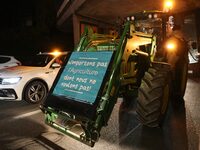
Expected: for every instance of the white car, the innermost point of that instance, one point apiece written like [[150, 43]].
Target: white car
[[8, 61], [33, 81]]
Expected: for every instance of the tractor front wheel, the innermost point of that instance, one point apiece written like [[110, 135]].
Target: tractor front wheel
[[154, 95]]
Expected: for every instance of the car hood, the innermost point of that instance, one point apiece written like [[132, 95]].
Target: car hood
[[18, 70]]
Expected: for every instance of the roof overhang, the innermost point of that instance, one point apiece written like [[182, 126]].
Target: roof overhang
[[111, 10]]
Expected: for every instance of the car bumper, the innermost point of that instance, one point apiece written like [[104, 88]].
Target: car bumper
[[10, 92]]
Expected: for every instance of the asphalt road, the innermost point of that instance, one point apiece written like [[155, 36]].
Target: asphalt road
[[22, 128]]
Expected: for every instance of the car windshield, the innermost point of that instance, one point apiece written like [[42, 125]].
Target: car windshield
[[39, 60]]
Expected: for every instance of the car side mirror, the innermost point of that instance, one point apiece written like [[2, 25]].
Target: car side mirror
[[55, 65]]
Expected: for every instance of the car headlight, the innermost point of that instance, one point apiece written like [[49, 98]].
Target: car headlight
[[9, 81]]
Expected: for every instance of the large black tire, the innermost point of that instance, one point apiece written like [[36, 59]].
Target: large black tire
[[35, 92], [154, 95]]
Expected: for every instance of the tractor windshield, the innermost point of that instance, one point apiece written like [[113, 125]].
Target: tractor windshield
[[149, 26], [101, 43], [151, 22]]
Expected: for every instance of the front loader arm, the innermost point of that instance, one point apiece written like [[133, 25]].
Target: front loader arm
[[110, 97]]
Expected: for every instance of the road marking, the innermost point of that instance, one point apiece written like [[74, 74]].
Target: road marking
[[27, 114], [129, 133]]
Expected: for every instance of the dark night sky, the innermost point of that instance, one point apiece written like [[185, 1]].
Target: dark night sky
[[28, 26], [11, 11]]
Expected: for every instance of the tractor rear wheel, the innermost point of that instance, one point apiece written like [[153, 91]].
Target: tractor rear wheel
[[154, 95]]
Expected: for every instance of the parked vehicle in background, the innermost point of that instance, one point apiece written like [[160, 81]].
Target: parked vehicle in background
[[8, 61], [32, 80]]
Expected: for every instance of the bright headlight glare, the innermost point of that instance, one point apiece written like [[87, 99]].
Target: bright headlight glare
[[171, 46], [155, 15], [9, 81], [55, 53], [150, 16], [132, 18]]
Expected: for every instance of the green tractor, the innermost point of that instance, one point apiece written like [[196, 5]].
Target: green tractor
[[105, 67]]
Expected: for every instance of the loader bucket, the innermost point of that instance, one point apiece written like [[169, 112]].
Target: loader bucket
[[75, 101]]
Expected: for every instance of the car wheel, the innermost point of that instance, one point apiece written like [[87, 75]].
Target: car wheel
[[35, 92]]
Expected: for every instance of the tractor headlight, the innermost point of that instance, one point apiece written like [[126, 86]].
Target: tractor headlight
[[150, 16], [130, 18], [171, 46], [9, 81]]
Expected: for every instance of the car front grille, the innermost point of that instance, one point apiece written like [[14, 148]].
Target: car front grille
[[1, 80]]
